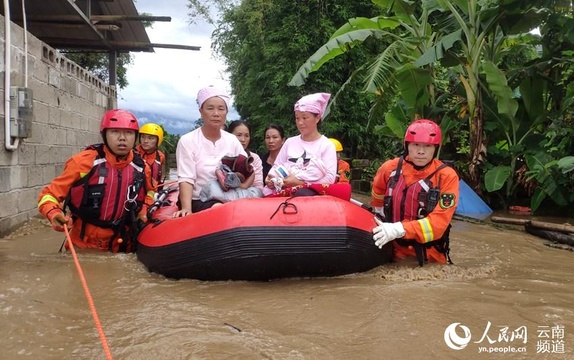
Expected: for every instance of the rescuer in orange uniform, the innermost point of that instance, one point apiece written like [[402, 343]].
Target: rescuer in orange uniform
[[151, 137], [106, 186], [416, 195], [343, 168]]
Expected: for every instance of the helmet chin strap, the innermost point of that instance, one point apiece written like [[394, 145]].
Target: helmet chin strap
[[106, 140]]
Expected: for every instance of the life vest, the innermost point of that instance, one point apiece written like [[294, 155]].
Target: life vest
[[156, 172], [412, 202], [108, 197], [343, 171]]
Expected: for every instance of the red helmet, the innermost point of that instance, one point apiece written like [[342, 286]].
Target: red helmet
[[119, 119], [423, 131]]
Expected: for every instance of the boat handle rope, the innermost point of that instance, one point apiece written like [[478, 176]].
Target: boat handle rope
[[88, 296], [287, 207], [160, 200]]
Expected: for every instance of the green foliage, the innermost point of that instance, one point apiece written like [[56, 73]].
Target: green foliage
[[169, 142], [550, 170], [546, 173], [503, 96], [541, 132], [495, 178], [262, 42], [498, 84], [355, 31], [207, 10], [369, 172], [566, 164]]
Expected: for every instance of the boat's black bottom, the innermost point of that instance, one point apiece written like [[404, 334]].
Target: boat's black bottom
[[266, 253]]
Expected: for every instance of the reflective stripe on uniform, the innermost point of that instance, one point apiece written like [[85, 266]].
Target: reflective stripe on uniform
[[138, 168], [48, 198], [426, 229], [98, 161], [377, 196]]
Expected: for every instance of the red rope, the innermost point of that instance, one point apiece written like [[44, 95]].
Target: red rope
[[89, 296]]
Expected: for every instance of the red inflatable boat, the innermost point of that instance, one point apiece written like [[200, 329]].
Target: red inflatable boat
[[261, 239]]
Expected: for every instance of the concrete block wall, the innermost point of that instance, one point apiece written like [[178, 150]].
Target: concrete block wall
[[68, 102]]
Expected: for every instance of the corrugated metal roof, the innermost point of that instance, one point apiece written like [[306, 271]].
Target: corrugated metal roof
[[94, 25]]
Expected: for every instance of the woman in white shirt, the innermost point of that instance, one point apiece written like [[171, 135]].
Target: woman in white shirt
[[200, 151]]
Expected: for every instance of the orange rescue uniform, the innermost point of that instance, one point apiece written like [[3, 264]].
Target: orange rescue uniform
[[343, 171], [79, 165], [155, 164], [422, 229]]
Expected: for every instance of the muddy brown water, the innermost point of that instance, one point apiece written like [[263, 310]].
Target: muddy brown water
[[508, 296]]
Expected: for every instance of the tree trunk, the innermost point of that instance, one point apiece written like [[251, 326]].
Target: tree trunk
[[477, 149], [563, 228]]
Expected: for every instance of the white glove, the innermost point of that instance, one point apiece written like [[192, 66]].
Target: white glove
[[386, 232]]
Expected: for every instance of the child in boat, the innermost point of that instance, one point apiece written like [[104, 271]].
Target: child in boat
[[238, 177], [416, 196], [308, 158]]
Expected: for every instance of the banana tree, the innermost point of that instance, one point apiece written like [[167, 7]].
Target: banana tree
[[464, 35], [540, 132], [475, 26], [555, 176], [392, 71], [520, 130]]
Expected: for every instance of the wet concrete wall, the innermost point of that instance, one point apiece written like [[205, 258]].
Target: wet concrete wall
[[68, 102]]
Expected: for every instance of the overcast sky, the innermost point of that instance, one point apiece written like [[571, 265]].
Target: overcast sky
[[167, 81]]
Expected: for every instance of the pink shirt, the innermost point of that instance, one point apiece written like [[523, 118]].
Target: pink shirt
[[258, 170], [197, 157], [320, 159]]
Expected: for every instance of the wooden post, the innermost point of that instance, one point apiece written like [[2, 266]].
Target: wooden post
[[563, 228]]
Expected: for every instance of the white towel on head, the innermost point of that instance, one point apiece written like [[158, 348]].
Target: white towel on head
[[212, 91]]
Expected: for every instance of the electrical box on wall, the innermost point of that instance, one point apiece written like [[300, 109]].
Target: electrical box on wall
[[20, 112]]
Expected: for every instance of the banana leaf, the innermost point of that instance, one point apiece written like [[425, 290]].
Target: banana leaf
[[495, 178]]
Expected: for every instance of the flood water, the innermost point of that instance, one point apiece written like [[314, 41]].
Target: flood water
[[507, 289]]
